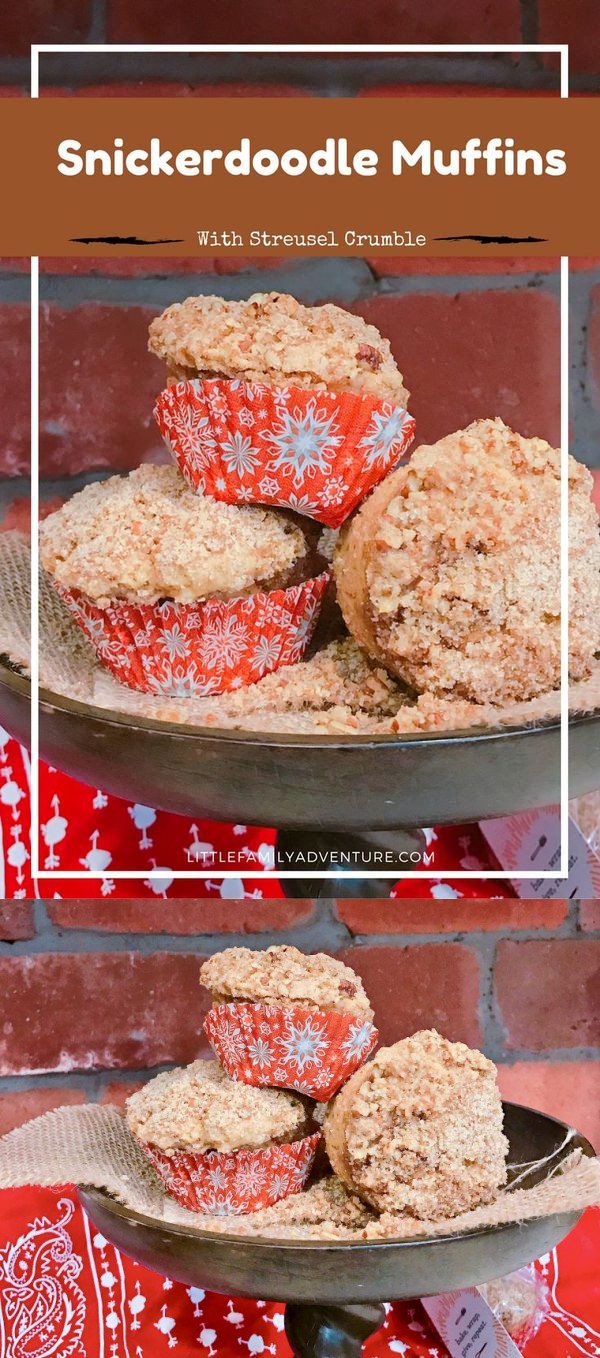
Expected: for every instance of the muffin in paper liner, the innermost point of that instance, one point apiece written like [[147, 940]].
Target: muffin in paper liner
[[310, 1050], [184, 650], [317, 452], [235, 1182]]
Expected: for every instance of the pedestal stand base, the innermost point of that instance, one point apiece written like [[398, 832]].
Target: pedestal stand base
[[331, 1331], [371, 851]]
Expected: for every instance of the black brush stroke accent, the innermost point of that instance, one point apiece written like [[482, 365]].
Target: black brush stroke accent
[[123, 240], [499, 240]]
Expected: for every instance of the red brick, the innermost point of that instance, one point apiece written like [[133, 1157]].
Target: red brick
[[393, 266], [269, 22], [165, 89], [132, 266], [17, 514], [569, 1090], [99, 1011], [117, 1093], [578, 26], [449, 917], [475, 354], [181, 917], [42, 21], [589, 915], [442, 90], [594, 345], [14, 365], [547, 993], [97, 388], [16, 921], [23, 1105], [435, 985]]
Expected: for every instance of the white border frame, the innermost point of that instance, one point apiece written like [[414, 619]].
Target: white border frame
[[202, 875]]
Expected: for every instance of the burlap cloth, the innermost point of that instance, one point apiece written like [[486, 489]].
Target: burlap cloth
[[320, 696], [91, 1146]]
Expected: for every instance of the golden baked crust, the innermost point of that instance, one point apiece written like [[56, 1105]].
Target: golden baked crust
[[283, 975], [146, 536], [418, 1130], [198, 1108], [450, 572], [272, 338]]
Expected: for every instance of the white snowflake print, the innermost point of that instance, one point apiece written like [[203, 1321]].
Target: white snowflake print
[[303, 1044], [238, 454], [279, 1186], [196, 442], [304, 442], [300, 503], [297, 644], [224, 642], [246, 417], [266, 654], [334, 491], [176, 682], [231, 1043], [359, 1039], [260, 1053], [174, 642], [250, 1178], [217, 1178], [221, 1205], [268, 486], [386, 435]]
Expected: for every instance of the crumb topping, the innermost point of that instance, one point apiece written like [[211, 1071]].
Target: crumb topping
[[146, 536], [272, 338], [418, 1130], [284, 975], [450, 574], [199, 1108]]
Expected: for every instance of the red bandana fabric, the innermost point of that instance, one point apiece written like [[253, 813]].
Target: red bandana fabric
[[85, 829], [66, 1292]]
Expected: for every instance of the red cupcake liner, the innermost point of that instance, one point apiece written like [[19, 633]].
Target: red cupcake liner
[[309, 1050], [187, 650], [317, 452], [237, 1182]]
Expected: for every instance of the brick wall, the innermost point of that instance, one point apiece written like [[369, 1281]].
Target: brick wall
[[95, 995], [267, 21], [481, 341]]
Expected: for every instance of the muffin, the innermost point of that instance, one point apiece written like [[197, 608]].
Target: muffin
[[281, 1018], [324, 1211], [178, 594], [449, 575], [278, 403], [418, 1131], [221, 1147]]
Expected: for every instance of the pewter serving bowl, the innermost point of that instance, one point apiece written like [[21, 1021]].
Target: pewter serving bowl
[[333, 1291]]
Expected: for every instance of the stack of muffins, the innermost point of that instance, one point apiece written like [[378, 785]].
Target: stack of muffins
[[201, 577], [415, 1133]]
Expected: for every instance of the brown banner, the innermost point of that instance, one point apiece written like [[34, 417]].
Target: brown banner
[[443, 198]]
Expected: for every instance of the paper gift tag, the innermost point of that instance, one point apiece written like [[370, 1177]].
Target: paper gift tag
[[530, 842], [468, 1325]]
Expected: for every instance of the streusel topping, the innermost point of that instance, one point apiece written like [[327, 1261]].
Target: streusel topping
[[146, 536], [199, 1108], [418, 1130], [272, 338], [284, 975], [450, 572]]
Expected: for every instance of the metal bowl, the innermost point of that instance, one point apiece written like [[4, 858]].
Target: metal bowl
[[326, 783], [333, 1290]]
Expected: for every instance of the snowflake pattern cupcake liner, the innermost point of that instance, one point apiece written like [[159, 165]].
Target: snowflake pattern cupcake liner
[[309, 1050], [316, 452], [185, 650], [237, 1182]]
